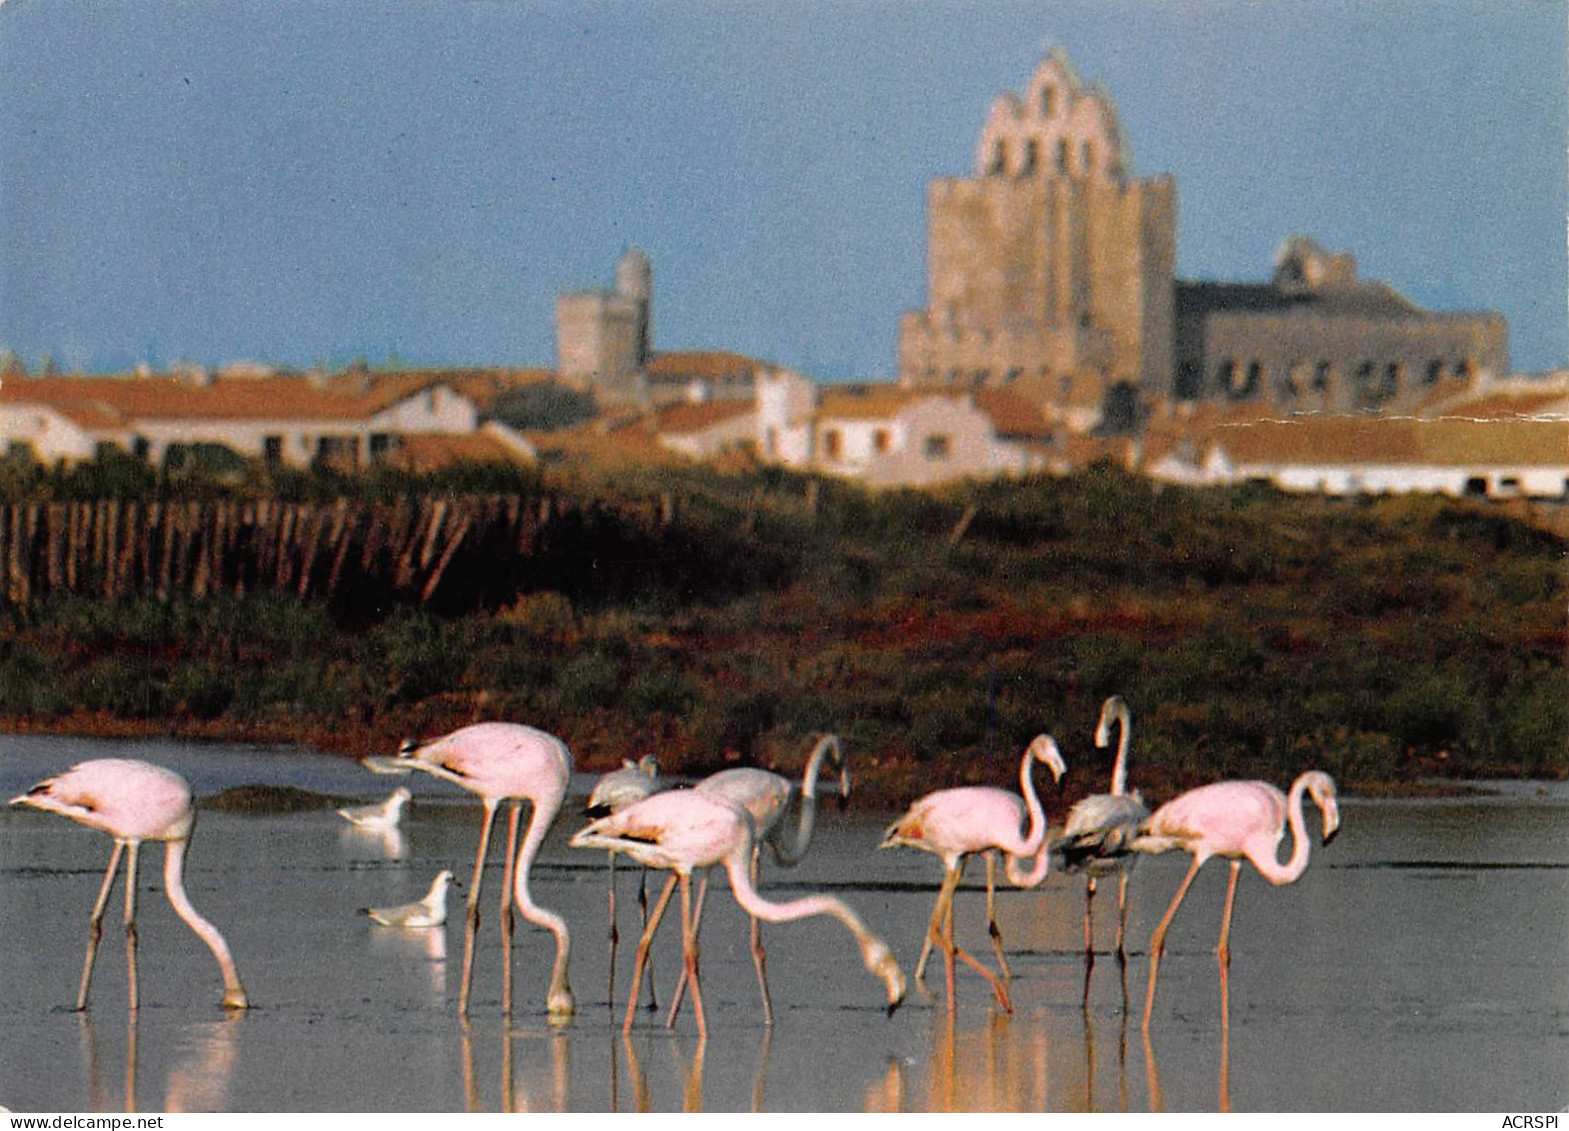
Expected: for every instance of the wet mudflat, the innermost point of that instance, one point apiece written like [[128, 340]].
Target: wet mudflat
[[1422, 963]]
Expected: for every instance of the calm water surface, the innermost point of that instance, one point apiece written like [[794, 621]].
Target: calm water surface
[[1422, 963]]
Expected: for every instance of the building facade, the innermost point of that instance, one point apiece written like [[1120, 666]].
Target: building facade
[[1050, 270], [1318, 337], [277, 421]]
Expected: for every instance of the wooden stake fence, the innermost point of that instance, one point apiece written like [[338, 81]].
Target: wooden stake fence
[[115, 548]]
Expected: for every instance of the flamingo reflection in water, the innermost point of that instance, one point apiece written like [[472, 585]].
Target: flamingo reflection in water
[[1237, 820], [688, 829], [1122, 1054], [199, 1081], [514, 1092], [987, 1069], [1157, 1096]]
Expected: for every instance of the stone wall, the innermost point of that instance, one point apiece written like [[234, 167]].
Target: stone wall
[[1048, 268]]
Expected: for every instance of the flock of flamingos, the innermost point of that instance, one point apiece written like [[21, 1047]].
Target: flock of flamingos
[[724, 821]]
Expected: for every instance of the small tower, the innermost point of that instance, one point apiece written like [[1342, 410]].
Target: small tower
[[604, 338], [635, 282]]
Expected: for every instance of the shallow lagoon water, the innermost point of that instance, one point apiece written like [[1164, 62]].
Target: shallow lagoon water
[[1422, 963]]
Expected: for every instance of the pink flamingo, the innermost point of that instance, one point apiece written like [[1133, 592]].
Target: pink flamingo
[[1100, 828], [955, 823], [1234, 819], [134, 801], [684, 830], [766, 797], [503, 762]]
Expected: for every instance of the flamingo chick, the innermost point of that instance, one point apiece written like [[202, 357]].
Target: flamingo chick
[[611, 793], [428, 912], [683, 830], [503, 762], [1236, 820], [766, 796], [380, 817], [134, 801], [955, 823], [1101, 827]]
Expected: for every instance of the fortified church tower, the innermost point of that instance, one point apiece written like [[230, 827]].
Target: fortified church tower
[[1050, 270]]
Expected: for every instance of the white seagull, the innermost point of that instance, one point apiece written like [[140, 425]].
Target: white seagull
[[380, 817], [428, 912]]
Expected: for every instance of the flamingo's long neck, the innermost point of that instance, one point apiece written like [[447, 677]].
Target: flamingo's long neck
[[1119, 772], [559, 1001], [791, 855], [758, 907], [1291, 871], [174, 885], [1035, 841], [875, 955]]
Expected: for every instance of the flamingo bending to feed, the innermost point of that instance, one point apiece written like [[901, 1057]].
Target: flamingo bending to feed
[[380, 817], [684, 830], [134, 801], [431, 911], [611, 793], [955, 823], [1101, 828], [766, 796], [503, 762], [1234, 819]]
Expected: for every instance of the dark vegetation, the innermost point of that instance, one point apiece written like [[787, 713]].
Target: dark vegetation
[[1253, 634]]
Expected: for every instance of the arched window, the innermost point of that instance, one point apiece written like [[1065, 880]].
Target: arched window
[[1048, 101], [1032, 150], [1087, 157], [999, 158], [1062, 156], [1226, 375], [1255, 379]]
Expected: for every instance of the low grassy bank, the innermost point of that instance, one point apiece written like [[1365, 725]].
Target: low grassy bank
[[1253, 634]]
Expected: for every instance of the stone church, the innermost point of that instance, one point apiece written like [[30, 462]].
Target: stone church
[[1051, 270]]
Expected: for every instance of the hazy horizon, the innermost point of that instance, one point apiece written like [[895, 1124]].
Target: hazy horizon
[[314, 182]]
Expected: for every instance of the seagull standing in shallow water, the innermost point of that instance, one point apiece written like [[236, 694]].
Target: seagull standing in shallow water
[[380, 817], [428, 912]]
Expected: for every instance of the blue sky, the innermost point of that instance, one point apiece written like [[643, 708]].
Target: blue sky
[[316, 181]]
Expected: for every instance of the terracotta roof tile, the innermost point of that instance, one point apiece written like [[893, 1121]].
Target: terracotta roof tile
[[709, 365], [1012, 414], [686, 418], [250, 398], [1341, 440], [429, 451]]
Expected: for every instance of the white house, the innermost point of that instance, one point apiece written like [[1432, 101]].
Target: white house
[[918, 439], [881, 435], [1509, 457], [280, 420]]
